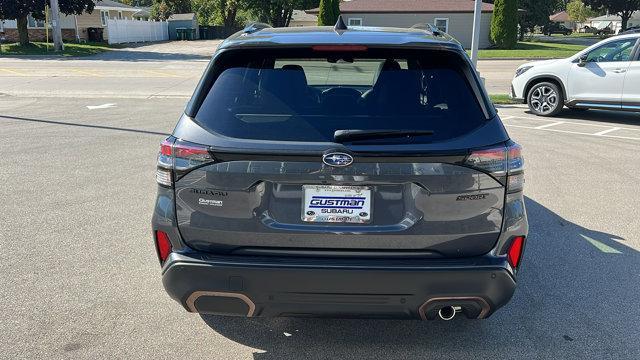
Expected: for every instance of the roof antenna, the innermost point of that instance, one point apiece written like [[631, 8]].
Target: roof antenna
[[340, 25]]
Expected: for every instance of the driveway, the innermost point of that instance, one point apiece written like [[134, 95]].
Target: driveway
[[162, 51]]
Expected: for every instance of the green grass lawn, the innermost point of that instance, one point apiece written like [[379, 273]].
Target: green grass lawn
[[532, 50], [39, 48], [502, 99]]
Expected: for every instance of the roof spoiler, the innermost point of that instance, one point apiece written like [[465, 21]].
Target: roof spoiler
[[255, 26]]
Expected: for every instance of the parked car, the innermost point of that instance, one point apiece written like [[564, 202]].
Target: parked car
[[556, 28], [603, 76], [603, 31], [340, 172]]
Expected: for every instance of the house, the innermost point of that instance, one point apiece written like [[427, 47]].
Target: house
[[301, 18], [562, 18], [613, 22], [74, 26], [184, 21], [452, 16], [143, 14]]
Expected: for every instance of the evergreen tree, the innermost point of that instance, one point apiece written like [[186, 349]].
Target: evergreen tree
[[504, 24]]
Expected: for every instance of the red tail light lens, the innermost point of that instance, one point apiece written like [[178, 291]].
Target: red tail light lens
[[176, 157], [501, 161], [515, 251], [188, 155], [163, 245]]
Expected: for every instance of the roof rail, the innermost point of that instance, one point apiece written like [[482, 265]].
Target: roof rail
[[255, 26]]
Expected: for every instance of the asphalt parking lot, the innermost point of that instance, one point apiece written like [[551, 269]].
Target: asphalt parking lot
[[81, 279]]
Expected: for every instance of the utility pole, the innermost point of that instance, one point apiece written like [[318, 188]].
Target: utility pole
[[475, 39], [55, 22]]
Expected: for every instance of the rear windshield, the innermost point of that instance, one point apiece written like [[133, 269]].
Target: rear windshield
[[308, 96]]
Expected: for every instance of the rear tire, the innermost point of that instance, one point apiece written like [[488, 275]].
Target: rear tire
[[545, 99]]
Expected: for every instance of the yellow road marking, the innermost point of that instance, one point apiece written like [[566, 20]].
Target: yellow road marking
[[14, 72], [163, 74], [84, 72]]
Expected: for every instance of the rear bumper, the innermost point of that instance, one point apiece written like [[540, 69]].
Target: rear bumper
[[337, 288]]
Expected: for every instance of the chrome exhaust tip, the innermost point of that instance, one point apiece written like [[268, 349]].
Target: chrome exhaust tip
[[448, 312]]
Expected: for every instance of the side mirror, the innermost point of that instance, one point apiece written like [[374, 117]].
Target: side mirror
[[582, 60]]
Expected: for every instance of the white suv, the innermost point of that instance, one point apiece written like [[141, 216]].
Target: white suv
[[603, 76]]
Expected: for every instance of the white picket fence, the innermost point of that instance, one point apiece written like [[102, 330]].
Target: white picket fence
[[127, 31]]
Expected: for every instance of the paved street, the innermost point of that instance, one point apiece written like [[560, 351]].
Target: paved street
[[78, 145], [151, 71]]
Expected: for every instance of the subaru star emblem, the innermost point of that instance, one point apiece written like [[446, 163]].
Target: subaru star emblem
[[337, 159]]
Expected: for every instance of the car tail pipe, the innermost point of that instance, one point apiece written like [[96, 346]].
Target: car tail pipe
[[449, 312], [446, 308]]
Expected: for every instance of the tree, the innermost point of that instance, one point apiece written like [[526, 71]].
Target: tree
[[579, 12], [278, 12], [622, 8], [162, 9], [206, 11], [535, 13], [504, 24], [329, 12], [21, 9]]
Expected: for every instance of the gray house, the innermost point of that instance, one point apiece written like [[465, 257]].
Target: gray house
[[184, 21], [452, 16]]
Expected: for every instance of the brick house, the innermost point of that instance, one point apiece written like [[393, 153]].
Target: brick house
[[74, 26]]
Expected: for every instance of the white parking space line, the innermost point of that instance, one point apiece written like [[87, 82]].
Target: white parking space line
[[575, 123], [549, 125], [574, 132], [606, 131]]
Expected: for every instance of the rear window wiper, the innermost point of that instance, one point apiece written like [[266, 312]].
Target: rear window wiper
[[354, 135]]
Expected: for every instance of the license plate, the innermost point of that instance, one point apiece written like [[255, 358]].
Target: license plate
[[336, 204]]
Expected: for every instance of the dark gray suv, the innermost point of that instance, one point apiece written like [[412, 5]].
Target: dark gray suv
[[340, 172]]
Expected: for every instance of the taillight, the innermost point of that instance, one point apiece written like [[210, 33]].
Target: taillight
[[501, 161], [176, 157], [515, 251], [163, 245]]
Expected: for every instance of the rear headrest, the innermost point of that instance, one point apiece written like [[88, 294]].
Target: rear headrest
[[288, 86], [295, 67], [399, 89], [387, 65]]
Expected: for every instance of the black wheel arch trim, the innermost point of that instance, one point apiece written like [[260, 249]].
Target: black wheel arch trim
[[537, 78]]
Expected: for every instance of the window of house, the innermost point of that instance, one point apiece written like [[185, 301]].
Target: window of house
[[355, 22], [442, 24], [120, 15], [104, 16]]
